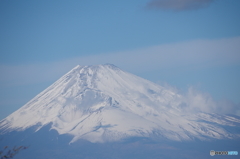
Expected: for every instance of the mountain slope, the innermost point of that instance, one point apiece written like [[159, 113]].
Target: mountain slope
[[103, 103]]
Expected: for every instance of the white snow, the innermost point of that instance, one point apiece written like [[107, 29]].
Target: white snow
[[103, 103]]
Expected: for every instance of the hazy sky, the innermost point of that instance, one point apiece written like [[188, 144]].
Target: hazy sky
[[187, 43]]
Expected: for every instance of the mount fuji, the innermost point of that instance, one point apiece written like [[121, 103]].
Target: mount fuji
[[104, 104]]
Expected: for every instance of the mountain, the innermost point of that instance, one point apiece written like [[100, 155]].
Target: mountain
[[103, 104]]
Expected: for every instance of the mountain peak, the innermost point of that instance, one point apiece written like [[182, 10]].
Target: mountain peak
[[100, 65], [94, 68], [110, 66]]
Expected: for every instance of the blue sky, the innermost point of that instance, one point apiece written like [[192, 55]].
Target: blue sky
[[188, 43]]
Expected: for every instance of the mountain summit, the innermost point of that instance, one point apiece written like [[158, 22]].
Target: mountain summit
[[102, 103]]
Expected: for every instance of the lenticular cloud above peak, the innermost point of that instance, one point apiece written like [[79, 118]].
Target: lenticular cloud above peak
[[103, 103]]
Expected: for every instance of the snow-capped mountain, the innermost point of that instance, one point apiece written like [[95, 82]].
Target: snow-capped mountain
[[103, 103]]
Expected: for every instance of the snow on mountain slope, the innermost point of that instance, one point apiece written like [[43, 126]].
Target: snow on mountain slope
[[103, 103]]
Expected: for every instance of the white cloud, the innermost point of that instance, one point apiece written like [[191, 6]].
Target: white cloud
[[195, 101]]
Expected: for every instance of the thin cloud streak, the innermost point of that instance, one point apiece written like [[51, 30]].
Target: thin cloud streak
[[194, 55], [178, 5]]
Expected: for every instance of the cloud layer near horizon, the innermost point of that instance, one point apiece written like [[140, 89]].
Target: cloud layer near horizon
[[178, 5]]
